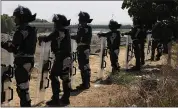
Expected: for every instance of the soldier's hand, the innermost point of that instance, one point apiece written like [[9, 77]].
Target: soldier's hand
[[2, 44], [5, 45], [99, 35], [40, 39], [122, 34]]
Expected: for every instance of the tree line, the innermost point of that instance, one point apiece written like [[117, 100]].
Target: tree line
[[8, 24], [146, 10]]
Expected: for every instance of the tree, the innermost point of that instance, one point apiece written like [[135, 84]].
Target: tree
[[145, 9], [7, 24]]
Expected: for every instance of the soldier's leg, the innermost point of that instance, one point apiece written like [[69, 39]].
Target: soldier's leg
[[159, 50], [55, 84], [86, 68], [22, 74], [66, 84], [114, 60], [65, 76], [165, 47], [142, 53], [137, 55], [154, 45], [81, 64]]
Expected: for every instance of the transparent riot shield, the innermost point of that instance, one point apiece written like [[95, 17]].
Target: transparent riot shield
[[129, 51], [7, 72], [74, 62], [103, 54], [44, 68], [149, 46]]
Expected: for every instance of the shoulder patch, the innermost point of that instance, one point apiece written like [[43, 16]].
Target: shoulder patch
[[86, 30], [61, 35], [24, 33]]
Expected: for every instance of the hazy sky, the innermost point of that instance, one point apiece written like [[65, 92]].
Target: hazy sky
[[100, 11]]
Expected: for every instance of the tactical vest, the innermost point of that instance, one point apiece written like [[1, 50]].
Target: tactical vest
[[113, 40], [84, 35], [28, 45], [61, 42]]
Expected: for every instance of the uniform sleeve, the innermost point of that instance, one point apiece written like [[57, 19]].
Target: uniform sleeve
[[74, 37], [104, 34], [13, 46], [128, 33], [50, 37]]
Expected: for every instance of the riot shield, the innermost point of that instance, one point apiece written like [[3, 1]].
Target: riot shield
[[102, 54], [129, 51], [7, 72], [149, 46], [44, 68], [74, 62]]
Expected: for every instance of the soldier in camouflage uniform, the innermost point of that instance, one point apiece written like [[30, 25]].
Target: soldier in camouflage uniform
[[138, 35], [61, 47], [113, 41], [83, 39], [23, 47]]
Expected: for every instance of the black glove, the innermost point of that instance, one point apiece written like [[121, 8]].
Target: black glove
[[40, 39], [122, 34], [3, 44], [99, 35]]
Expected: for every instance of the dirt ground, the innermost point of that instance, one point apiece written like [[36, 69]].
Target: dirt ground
[[97, 96]]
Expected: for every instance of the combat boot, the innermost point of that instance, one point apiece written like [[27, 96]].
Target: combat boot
[[83, 87], [64, 101], [53, 102], [135, 68]]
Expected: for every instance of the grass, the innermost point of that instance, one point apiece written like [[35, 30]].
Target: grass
[[123, 78], [149, 90]]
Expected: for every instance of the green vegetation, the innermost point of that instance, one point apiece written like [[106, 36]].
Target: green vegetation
[[8, 24]]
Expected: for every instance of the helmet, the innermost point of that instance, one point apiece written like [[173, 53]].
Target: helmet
[[114, 25], [24, 14], [60, 20], [84, 17]]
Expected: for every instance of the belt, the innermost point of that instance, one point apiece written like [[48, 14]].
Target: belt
[[79, 44], [23, 55]]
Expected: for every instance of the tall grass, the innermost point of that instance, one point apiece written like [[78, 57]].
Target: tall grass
[[152, 90]]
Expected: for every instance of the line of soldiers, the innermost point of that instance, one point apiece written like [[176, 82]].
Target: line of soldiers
[[23, 47], [163, 32]]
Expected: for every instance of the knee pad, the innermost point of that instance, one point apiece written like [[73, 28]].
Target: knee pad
[[65, 78], [53, 77], [116, 52], [23, 93], [67, 63], [22, 74], [86, 67], [87, 53]]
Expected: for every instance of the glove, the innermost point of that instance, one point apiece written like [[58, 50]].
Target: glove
[[99, 35], [40, 39], [122, 34], [3, 44]]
